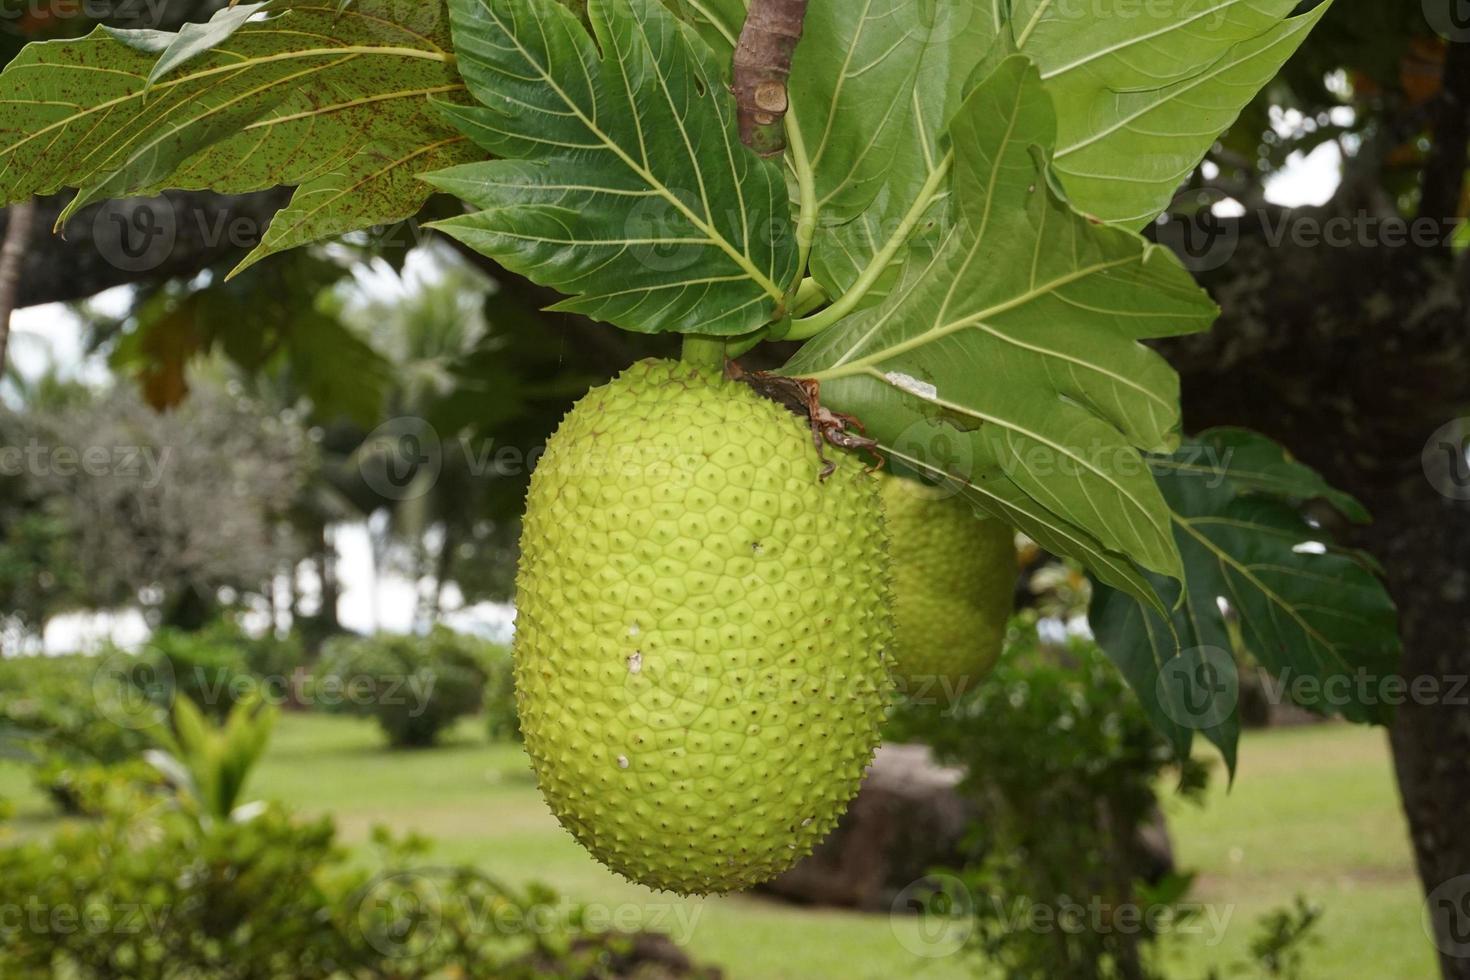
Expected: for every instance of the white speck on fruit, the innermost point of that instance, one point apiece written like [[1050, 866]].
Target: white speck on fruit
[[635, 663], [634, 630], [622, 762], [912, 385], [807, 822]]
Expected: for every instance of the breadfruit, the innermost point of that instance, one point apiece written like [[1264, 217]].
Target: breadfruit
[[954, 579], [701, 630]]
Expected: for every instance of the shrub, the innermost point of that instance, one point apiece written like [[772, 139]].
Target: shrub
[[207, 888], [272, 661], [75, 719], [501, 720], [415, 686], [1062, 764], [209, 668]]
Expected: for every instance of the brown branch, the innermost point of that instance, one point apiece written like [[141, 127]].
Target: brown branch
[[119, 243], [17, 239], [1443, 179], [762, 68]]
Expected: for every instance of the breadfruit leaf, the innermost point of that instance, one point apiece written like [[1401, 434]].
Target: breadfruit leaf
[[1262, 580], [1143, 91], [1018, 345], [333, 101], [623, 180]]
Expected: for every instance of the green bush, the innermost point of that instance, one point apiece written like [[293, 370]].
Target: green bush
[[1062, 767], [76, 718], [272, 661], [208, 667], [206, 887], [501, 720], [415, 686]]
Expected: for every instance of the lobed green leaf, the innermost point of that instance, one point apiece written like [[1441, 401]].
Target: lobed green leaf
[[334, 101], [1261, 579], [1143, 90], [623, 180], [1018, 345]]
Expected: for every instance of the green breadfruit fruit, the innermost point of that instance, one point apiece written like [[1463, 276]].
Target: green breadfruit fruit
[[954, 579], [701, 630]]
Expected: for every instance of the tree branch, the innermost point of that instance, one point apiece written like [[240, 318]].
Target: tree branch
[[762, 68], [1443, 180], [17, 239], [116, 243]]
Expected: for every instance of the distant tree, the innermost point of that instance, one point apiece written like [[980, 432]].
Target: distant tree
[[165, 510]]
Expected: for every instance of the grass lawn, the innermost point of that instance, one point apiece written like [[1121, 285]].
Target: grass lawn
[[1313, 812]]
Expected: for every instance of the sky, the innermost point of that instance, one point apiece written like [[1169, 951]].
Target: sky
[[44, 335]]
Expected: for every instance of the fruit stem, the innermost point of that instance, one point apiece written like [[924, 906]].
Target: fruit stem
[[705, 353]]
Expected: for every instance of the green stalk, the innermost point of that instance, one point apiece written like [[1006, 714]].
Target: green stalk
[[806, 182], [704, 353], [849, 301], [809, 296]]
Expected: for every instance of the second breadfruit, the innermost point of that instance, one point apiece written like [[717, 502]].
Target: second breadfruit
[[954, 577]]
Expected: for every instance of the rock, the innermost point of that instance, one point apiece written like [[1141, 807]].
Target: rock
[[907, 819]]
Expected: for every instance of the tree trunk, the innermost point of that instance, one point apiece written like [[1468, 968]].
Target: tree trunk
[[326, 565], [1354, 357], [443, 568]]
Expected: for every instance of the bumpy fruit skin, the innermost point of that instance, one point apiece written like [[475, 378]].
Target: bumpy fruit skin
[[701, 632], [954, 579]]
